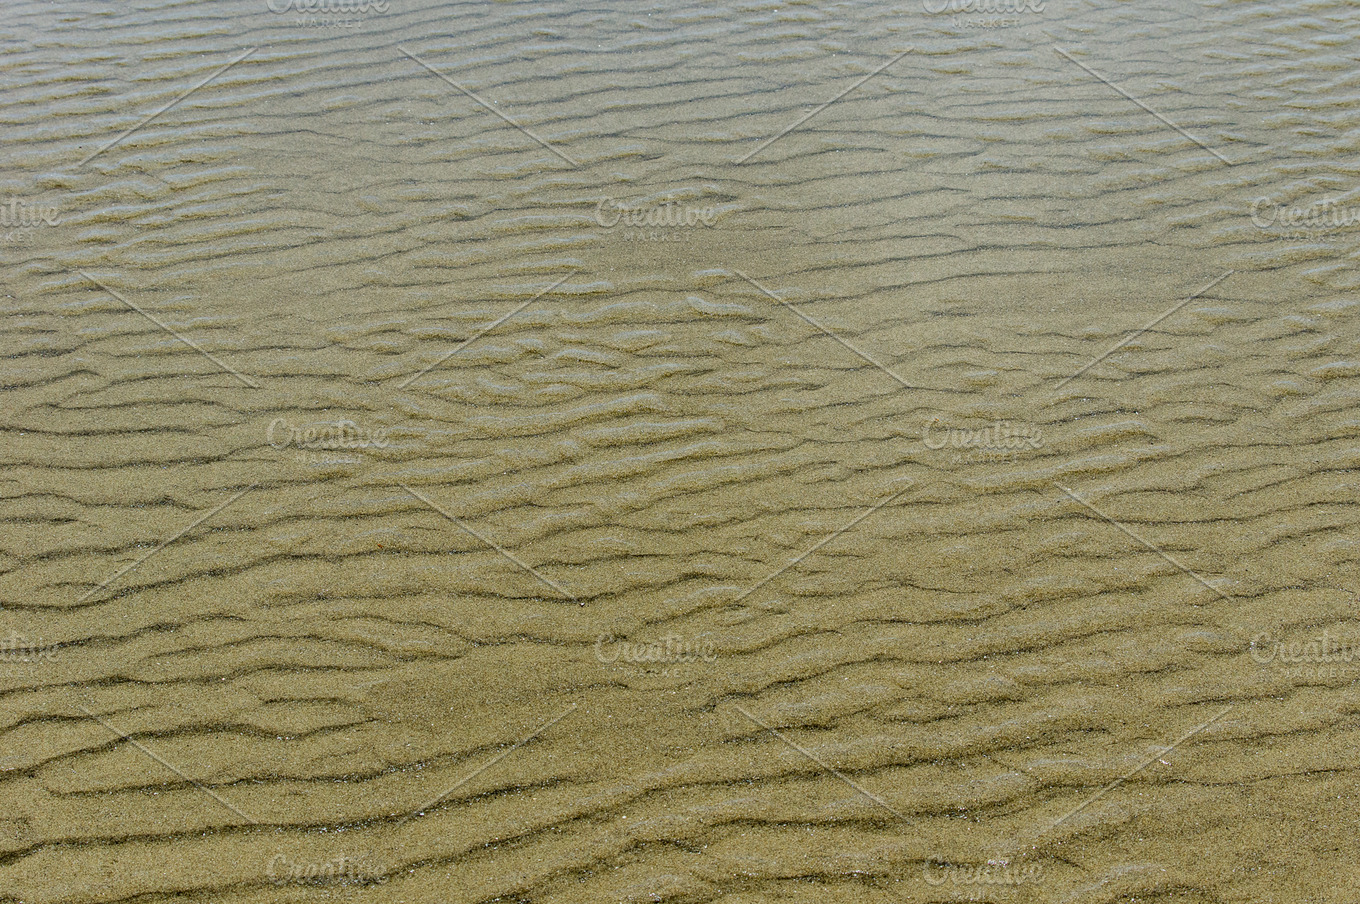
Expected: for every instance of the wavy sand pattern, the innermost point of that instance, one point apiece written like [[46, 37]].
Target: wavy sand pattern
[[793, 549]]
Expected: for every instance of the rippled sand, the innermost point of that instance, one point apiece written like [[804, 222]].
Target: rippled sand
[[952, 498]]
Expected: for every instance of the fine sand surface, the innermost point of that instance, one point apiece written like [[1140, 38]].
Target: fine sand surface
[[950, 499]]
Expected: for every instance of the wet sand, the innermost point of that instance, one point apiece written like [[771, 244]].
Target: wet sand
[[747, 451]]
